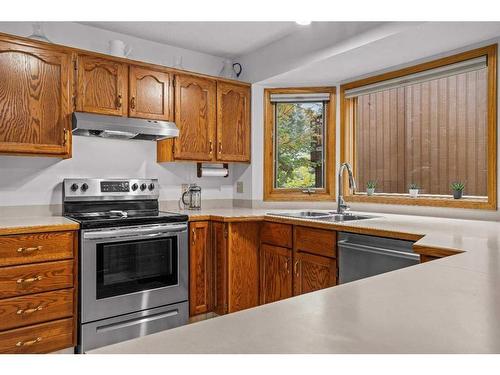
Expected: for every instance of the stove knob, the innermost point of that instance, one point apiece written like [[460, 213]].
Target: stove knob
[[151, 186], [74, 187], [134, 187], [84, 187], [143, 186]]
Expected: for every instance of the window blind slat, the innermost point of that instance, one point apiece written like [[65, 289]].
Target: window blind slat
[[427, 75], [296, 98]]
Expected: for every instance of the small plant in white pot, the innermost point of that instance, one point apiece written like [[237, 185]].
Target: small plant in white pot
[[458, 189], [413, 190], [370, 187]]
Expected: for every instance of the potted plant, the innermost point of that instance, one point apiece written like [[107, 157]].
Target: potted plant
[[458, 189], [413, 190], [370, 187]]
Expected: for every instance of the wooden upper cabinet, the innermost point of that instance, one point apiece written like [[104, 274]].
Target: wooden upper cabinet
[[149, 94], [313, 272], [102, 86], [195, 117], [275, 273], [233, 122], [35, 99]]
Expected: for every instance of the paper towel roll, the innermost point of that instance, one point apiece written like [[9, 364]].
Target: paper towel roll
[[214, 172]]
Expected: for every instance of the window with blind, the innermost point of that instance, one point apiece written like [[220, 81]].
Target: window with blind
[[298, 146], [429, 128]]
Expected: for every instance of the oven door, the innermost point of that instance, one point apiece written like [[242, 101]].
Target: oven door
[[130, 269]]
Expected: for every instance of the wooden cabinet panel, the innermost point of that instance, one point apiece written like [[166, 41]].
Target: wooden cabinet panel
[[41, 338], [219, 242], [34, 278], [35, 99], [312, 272], [35, 247], [35, 308], [233, 122], [102, 86], [150, 95], [243, 265], [201, 268], [277, 234], [275, 273], [195, 117], [316, 241]]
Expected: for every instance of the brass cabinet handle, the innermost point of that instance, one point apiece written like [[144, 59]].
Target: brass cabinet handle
[[220, 147], [211, 146], [194, 235], [29, 280], [28, 343], [119, 101], [295, 268], [29, 311], [29, 249], [132, 102], [286, 266]]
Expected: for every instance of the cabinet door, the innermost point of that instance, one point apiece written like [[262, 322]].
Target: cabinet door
[[219, 241], [233, 122], [275, 273], [243, 265], [102, 86], [200, 268], [35, 100], [195, 117], [313, 272], [149, 96]]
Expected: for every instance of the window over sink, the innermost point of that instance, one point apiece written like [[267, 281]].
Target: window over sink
[[299, 143], [430, 127]]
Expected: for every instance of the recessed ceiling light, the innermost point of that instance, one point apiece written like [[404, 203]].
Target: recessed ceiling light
[[303, 23]]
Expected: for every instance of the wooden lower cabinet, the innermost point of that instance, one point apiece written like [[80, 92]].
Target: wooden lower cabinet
[[275, 273], [201, 268], [236, 248], [38, 283], [313, 272]]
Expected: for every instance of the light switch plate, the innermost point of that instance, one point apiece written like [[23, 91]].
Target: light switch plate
[[239, 187]]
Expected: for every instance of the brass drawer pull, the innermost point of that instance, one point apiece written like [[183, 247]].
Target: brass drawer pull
[[211, 147], [132, 102], [119, 101], [29, 280], [28, 343], [29, 311], [28, 250]]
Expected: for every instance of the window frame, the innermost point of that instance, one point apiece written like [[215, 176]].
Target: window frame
[[328, 192], [347, 135]]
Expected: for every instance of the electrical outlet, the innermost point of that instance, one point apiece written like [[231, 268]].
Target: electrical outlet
[[239, 187]]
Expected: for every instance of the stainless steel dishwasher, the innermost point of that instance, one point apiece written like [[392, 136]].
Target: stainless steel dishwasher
[[362, 256]]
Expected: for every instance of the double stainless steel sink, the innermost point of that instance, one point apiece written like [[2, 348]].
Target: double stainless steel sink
[[322, 215]]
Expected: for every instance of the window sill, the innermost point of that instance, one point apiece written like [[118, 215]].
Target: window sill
[[283, 196], [424, 200]]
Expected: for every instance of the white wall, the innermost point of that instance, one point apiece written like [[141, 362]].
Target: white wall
[[37, 180]]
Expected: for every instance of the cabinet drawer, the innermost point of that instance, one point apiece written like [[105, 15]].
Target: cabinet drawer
[[35, 278], [35, 247], [277, 234], [316, 241], [40, 338], [35, 308]]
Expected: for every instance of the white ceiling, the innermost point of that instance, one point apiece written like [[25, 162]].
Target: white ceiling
[[225, 39]]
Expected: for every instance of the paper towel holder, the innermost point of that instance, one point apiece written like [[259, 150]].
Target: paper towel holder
[[199, 166]]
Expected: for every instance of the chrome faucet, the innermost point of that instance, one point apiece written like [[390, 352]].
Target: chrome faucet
[[341, 205]]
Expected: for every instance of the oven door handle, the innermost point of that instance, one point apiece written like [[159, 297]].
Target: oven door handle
[[135, 232]]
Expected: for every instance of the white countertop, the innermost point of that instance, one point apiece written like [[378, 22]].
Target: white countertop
[[450, 305]]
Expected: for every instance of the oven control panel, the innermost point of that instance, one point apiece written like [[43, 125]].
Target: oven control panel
[[75, 189]]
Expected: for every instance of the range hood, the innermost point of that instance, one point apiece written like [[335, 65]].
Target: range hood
[[89, 124]]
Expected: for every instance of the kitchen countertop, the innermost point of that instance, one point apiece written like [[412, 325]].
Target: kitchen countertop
[[450, 305], [35, 224]]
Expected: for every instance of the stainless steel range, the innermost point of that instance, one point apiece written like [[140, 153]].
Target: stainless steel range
[[133, 260]]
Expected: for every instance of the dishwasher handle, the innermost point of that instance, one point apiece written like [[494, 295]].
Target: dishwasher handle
[[378, 250]]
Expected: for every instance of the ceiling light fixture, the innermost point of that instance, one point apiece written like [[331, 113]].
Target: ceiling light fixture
[[303, 23]]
